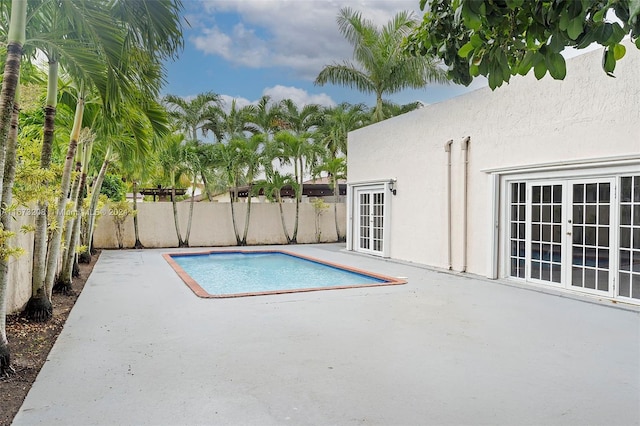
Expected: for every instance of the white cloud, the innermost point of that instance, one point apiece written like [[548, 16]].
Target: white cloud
[[228, 101], [299, 96], [277, 93], [298, 34]]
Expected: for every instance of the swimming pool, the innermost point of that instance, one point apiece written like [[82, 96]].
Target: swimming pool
[[217, 274]]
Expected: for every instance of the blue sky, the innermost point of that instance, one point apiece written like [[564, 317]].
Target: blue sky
[[244, 49]]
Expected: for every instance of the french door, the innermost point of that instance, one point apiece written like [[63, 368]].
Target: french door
[[591, 236], [370, 220], [561, 233]]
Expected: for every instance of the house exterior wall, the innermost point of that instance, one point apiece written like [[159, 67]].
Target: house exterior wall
[[212, 225], [528, 122]]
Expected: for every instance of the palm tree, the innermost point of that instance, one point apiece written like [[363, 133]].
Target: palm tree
[[272, 188], [336, 169], [392, 109], [299, 120], [251, 157], [190, 115], [226, 157], [228, 125], [73, 31], [380, 65], [301, 152], [11, 75], [266, 116], [8, 136], [173, 165], [337, 122]]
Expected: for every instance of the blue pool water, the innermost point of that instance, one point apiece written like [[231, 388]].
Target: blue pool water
[[232, 273]]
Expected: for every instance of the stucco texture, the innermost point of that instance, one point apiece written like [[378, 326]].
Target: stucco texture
[[527, 122]]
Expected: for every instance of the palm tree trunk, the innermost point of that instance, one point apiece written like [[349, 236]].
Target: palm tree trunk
[[233, 219], [378, 114], [39, 307], [175, 215], [77, 228], [299, 178], [336, 193], [136, 230], [11, 75], [206, 186], [8, 178], [193, 190], [284, 226], [55, 246], [93, 206], [247, 217], [64, 280]]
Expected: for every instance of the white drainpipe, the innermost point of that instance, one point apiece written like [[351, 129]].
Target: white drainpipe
[[447, 149], [465, 150]]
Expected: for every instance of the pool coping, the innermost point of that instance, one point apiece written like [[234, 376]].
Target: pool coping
[[201, 292]]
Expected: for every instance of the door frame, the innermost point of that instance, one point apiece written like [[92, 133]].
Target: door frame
[[353, 204], [500, 179]]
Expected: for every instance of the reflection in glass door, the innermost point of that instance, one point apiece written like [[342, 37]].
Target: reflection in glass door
[[591, 235]]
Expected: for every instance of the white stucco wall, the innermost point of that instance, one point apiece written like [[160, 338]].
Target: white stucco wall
[[19, 286], [212, 225], [528, 122]]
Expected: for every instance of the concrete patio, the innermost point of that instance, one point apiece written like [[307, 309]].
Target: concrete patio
[[139, 348]]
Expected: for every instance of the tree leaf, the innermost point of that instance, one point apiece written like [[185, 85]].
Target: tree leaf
[[599, 15], [540, 69], [563, 24], [608, 61], [556, 65], [575, 28], [618, 51], [470, 16], [465, 50], [634, 9], [526, 63], [476, 40]]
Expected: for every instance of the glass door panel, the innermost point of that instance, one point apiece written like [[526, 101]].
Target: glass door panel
[[364, 235], [629, 252], [371, 220], [378, 220], [590, 223], [546, 233]]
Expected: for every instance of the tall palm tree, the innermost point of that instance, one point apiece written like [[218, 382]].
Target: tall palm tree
[[72, 32], [299, 120], [8, 135], [299, 151], [227, 125], [336, 169], [380, 65], [11, 75], [194, 166], [190, 115], [337, 122], [226, 157], [266, 116], [251, 156], [272, 187], [173, 165]]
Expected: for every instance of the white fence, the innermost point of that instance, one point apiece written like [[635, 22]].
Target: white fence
[[212, 224]]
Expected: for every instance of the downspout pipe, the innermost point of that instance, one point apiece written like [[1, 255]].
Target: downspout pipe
[[447, 149], [465, 182]]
